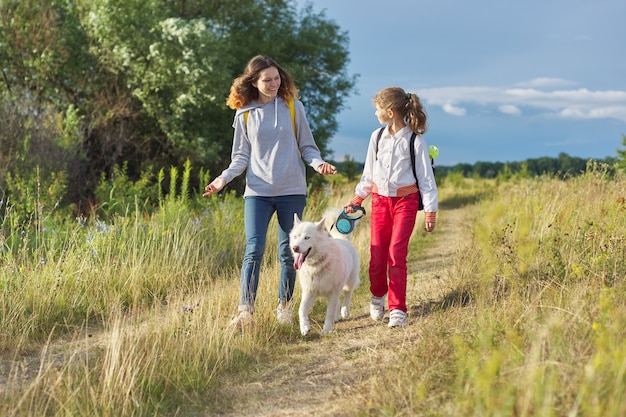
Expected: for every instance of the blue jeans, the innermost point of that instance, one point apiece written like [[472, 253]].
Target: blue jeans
[[257, 214]]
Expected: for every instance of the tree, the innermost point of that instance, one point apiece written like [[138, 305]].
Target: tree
[[149, 78], [350, 167]]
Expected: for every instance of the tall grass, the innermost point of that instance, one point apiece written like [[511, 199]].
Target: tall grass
[[126, 317], [91, 270], [543, 333]]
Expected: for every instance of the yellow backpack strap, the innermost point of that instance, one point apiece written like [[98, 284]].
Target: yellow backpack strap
[[292, 110]]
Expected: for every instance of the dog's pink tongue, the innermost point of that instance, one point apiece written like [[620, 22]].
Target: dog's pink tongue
[[298, 260]]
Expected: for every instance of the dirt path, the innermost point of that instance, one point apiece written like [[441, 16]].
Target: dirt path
[[321, 375]]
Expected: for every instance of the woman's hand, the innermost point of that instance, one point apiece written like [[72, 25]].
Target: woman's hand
[[215, 187], [327, 169]]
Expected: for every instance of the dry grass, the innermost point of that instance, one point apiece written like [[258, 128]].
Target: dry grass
[[516, 308]]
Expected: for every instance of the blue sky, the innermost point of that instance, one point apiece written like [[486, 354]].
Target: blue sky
[[501, 80]]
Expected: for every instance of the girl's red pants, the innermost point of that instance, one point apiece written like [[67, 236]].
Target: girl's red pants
[[392, 222]]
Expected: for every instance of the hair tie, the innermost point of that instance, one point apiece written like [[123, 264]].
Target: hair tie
[[408, 96]]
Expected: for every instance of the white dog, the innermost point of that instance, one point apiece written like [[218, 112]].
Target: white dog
[[326, 268]]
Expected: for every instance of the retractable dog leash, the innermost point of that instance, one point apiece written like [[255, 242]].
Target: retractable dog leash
[[345, 221]]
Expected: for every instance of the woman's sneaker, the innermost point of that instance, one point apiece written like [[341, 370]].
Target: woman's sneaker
[[397, 318], [284, 314], [377, 307]]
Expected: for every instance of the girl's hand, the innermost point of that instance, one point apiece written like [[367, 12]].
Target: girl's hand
[[355, 201], [327, 169], [215, 187], [348, 208], [429, 220]]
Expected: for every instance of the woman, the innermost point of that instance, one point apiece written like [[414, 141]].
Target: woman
[[269, 144]]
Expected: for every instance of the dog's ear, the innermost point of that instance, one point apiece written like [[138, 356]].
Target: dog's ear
[[296, 219], [320, 225]]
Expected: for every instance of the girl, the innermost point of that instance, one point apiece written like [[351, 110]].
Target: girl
[[267, 145], [396, 191]]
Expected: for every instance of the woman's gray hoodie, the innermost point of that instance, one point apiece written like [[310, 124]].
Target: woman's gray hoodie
[[269, 152]]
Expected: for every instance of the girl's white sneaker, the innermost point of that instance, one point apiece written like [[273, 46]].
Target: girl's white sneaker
[[397, 318]]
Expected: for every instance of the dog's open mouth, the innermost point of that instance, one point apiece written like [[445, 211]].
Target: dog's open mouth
[[299, 258]]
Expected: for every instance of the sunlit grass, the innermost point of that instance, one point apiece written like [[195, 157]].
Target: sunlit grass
[[129, 316], [543, 334]]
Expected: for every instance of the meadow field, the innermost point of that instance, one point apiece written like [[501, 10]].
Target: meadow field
[[518, 308]]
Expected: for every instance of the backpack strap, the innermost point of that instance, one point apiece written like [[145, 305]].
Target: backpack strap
[[292, 110], [380, 133]]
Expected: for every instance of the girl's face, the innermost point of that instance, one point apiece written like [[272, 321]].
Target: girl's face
[[268, 84], [385, 116]]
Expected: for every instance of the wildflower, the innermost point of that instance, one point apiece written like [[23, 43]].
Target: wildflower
[[102, 226], [187, 309]]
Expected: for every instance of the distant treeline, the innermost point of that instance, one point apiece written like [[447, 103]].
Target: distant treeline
[[564, 165]]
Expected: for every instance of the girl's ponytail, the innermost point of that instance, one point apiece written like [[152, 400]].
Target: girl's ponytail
[[416, 115]]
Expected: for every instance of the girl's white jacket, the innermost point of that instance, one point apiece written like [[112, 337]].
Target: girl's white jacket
[[391, 169]]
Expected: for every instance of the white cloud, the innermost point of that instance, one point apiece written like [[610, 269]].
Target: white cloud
[[456, 111], [509, 109], [596, 113], [579, 103], [545, 82]]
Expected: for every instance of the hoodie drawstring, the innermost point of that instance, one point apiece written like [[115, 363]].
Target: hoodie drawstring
[[275, 113]]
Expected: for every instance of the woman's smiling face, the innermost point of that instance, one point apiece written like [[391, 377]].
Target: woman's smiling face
[[268, 84]]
